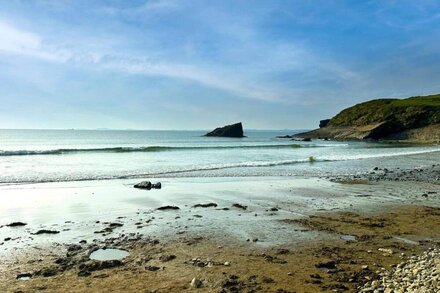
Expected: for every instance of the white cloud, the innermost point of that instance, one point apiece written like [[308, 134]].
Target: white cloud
[[192, 73], [246, 76], [20, 42]]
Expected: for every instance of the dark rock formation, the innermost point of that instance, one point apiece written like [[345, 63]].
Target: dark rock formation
[[166, 208], [239, 206], [143, 185], [323, 123], [205, 205], [382, 130], [44, 231], [233, 130], [148, 185], [16, 224]]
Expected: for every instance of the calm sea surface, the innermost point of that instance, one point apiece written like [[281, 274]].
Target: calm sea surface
[[70, 155]]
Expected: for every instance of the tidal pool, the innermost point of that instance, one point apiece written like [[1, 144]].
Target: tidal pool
[[108, 254]]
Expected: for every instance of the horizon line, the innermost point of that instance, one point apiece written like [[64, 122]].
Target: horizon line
[[134, 129]]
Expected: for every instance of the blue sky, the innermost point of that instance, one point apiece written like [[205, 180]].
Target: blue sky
[[167, 64]]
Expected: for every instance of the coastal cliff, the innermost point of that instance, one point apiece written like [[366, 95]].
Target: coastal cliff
[[415, 119]]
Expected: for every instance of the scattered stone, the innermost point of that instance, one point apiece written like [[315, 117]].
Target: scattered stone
[[196, 283], [165, 208], [167, 257], [101, 276], [326, 265], [143, 185], [283, 251], [417, 274], [47, 272], [152, 268], [45, 231], [24, 276], [267, 280], [386, 250], [74, 247], [205, 205], [84, 273], [429, 174], [239, 206], [93, 265], [16, 224], [273, 259]]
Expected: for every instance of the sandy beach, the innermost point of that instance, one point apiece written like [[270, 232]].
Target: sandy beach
[[273, 234], [166, 146]]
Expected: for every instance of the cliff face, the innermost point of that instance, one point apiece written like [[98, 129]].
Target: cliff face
[[412, 119]]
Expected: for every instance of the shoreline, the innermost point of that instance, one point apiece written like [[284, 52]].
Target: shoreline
[[288, 227]]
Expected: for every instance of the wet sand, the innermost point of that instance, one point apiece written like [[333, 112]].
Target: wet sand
[[290, 237]]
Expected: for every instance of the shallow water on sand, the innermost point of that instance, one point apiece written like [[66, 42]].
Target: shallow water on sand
[[84, 210]]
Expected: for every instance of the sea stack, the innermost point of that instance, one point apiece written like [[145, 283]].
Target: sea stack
[[233, 130]]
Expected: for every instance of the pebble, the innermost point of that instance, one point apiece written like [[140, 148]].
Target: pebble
[[196, 283], [427, 174], [417, 274]]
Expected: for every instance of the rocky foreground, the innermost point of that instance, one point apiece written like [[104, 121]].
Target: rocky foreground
[[417, 274], [352, 254]]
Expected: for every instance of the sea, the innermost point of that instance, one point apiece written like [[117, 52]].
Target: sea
[[35, 156]]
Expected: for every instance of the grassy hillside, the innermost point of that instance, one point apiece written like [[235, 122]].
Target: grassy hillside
[[402, 113]]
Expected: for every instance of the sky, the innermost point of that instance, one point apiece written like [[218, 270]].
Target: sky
[[168, 64]]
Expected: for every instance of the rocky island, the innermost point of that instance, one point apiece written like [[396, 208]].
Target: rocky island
[[233, 130], [415, 119]]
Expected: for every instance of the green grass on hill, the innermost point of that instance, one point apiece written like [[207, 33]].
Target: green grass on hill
[[403, 113]]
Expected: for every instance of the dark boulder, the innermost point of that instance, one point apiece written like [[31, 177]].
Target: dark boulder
[[45, 231], [143, 185], [16, 224], [233, 130], [148, 185], [205, 205], [167, 208], [24, 276], [323, 123], [239, 206]]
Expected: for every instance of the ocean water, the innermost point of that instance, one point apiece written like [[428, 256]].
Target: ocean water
[[28, 156]]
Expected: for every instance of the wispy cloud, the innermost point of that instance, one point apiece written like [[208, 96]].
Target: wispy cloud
[[20, 42]]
